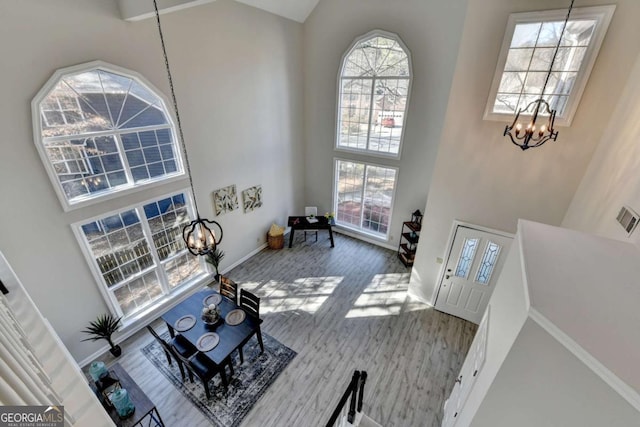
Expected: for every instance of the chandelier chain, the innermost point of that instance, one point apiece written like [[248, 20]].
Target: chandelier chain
[[175, 107], [555, 54]]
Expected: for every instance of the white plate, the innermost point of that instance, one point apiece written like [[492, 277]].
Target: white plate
[[235, 317], [208, 341], [214, 299], [184, 323]]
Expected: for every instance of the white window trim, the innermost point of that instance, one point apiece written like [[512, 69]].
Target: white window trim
[[601, 14], [346, 53], [107, 295], [334, 204], [125, 189]]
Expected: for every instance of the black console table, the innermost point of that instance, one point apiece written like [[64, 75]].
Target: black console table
[[145, 409], [301, 223]]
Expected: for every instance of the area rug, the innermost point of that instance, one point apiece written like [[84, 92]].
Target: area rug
[[249, 382]]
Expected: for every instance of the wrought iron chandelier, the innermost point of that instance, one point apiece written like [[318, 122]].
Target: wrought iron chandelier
[[533, 135], [198, 234]]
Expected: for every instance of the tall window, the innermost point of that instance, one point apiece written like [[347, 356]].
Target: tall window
[[374, 84], [103, 130], [138, 255], [364, 196], [527, 51]]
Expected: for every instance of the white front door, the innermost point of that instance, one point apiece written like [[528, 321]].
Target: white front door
[[474, 262]]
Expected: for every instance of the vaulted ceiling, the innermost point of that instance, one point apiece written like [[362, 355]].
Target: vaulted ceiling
[[296, 10]]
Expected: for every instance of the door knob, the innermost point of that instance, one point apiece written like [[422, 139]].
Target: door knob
[[448, 275]]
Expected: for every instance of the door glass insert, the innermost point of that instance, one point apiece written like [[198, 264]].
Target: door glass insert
[[466, 257], [488, 262]]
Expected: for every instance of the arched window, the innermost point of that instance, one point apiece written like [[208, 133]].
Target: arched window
[[374, 85], [102, 130]]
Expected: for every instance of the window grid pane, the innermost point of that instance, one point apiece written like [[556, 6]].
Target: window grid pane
[[138, 293], [121, 252], [379, 188], [488, 262], [118, 246], [467, 254], [116, 106], [364, 195], [179, 269], [167, 218], [374, 89], [529, 58]]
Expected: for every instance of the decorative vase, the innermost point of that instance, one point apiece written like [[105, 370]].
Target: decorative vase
[[97, 370], [122, 402], [210, 315]]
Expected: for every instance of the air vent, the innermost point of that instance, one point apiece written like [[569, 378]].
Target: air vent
[[628, 219]]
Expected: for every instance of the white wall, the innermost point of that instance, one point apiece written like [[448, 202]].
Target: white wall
[[542, 384], [507, 314], [613, 178], [431, 30], [238, 77], [479, 176]]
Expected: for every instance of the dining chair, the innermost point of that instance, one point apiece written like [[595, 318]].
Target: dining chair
[[229, 289], [178, 345], [205, 369], [251, 305], [310, 211]]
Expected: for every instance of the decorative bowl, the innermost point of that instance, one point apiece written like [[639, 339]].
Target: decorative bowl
[[208, 319]]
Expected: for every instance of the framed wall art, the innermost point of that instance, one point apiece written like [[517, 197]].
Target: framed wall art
[[252, 198], [225, 200]]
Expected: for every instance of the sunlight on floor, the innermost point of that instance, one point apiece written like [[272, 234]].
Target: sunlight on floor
[[310, 293], [384, 296]]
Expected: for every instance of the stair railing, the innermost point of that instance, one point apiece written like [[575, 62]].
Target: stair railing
[[354, 395]]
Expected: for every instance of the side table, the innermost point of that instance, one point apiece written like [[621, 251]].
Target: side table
[[145, 411], [301, 223]]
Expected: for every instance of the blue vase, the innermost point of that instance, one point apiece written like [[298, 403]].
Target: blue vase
[[122, 402], [97, 370]]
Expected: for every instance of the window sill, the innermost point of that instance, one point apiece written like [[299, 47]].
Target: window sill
[[82, 202], [378, 154], [365, 237]]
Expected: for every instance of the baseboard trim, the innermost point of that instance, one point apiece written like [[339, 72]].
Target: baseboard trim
[[243, 259], [418, 297]]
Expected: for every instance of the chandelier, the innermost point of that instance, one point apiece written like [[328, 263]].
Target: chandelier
[[198, 234], [534, 134]]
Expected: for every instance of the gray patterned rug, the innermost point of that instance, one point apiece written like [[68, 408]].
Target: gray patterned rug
[[249, 382]]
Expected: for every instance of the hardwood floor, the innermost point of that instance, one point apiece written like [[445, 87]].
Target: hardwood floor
[[341, 309]]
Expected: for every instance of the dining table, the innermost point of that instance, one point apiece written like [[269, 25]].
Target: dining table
[[231, 337]]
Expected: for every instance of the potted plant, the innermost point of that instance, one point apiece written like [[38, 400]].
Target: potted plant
[[331, 217], [214, 258], [102, 328]]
